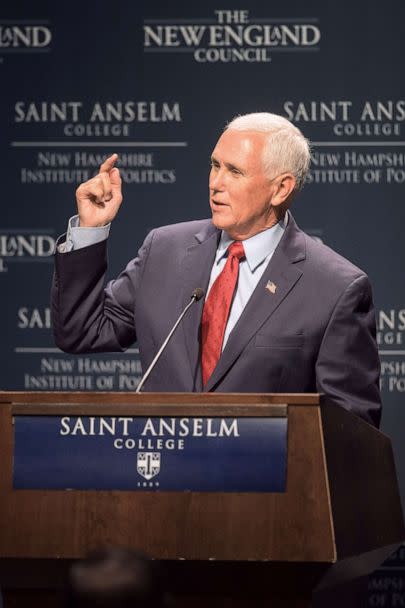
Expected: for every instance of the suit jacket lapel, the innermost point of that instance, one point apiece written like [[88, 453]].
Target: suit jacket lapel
[[284, 273], [196, 272]]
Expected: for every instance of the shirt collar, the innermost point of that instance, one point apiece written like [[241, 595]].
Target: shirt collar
[[258, 247]]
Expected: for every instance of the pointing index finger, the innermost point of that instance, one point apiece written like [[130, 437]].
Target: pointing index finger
[[108, 164]]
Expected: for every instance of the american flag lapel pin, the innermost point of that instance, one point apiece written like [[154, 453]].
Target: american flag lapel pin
[[271, 287]]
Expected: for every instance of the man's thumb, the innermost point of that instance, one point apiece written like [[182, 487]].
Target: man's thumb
[[115, 177]]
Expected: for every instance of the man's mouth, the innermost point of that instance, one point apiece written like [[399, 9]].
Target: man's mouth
[[218, 203]]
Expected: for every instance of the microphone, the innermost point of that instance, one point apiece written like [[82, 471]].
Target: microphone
[[197, 294]]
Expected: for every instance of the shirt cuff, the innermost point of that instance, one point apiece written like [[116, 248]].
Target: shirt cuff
[[78, 237]]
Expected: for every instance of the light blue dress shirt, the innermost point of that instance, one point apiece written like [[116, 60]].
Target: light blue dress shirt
[[259, 250], [77, 237]]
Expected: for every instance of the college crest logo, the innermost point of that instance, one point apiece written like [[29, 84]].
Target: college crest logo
[[148, 464]]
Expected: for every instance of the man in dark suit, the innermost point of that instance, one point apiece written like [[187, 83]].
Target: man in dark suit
[[283, 313]]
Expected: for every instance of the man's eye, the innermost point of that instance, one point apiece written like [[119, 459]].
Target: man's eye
[[235, 172]]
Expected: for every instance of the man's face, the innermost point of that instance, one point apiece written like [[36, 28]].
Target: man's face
[[240, 191]]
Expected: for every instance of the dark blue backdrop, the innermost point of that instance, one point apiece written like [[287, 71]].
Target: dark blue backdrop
[[156, 83]]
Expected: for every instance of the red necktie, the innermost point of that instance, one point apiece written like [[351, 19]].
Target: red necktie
[[216, 310]]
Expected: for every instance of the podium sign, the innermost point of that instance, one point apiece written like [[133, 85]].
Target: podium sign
[[201, 454]]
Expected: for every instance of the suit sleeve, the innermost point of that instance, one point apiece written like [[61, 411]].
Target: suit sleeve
[[86, 316], [348, 367]]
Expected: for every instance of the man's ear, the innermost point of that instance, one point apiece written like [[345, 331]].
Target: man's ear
[[284, 186]]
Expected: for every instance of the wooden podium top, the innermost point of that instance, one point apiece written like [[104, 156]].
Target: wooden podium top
[[221, 404]]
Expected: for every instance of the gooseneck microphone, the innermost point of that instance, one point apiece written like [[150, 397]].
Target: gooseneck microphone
[[197, 294]]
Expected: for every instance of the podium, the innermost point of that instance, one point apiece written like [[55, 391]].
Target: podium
[[339, 517]]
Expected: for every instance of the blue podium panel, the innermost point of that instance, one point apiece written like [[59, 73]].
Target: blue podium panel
[[141, 453]]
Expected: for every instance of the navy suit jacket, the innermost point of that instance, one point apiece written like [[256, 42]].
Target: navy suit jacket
[[316, 333]]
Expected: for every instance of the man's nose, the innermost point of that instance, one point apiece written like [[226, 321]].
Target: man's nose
[[216, 181]]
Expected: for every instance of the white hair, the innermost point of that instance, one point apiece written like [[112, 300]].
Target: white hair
[[287, 149]]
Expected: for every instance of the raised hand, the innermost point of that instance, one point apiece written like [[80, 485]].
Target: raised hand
[[99, 199]]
